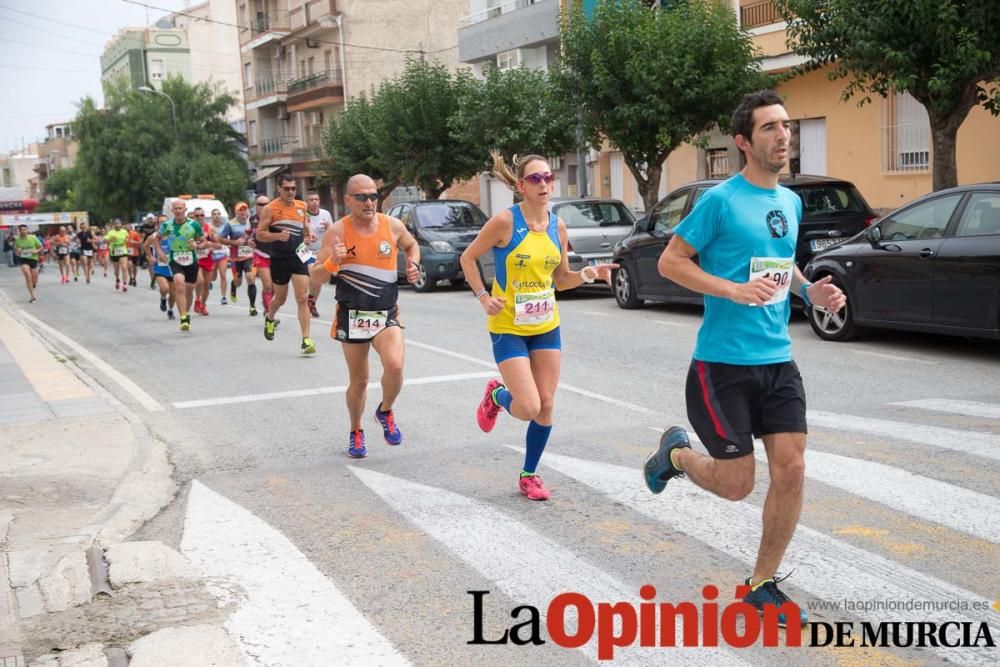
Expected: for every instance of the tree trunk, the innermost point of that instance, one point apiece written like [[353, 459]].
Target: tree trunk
[[649, 187], [383, 193], [434, 191], [944, 136]]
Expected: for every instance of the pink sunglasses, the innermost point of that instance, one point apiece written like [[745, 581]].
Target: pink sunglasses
[[539, 178]]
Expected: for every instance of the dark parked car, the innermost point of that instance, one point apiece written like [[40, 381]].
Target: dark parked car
[[593, 226], [443, 228], [832, 211], [932, 265]]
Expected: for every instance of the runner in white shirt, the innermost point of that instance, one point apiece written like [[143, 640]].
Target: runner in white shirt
[[319, 222]]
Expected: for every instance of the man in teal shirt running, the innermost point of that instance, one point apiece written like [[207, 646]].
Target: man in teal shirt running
[[742, 381]]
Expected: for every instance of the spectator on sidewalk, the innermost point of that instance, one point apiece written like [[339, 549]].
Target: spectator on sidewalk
[[8, 249]]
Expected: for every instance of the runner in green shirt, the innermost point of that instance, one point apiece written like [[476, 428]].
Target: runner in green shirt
[[26, 247], [184, 236], [118, 248]]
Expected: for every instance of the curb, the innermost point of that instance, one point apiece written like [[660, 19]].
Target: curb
[[145, 489]]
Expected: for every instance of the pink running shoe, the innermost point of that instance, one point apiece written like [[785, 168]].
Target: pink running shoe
[[486, 413], [533, 487]]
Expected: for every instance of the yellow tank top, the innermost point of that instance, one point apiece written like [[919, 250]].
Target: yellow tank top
[[524, 278]]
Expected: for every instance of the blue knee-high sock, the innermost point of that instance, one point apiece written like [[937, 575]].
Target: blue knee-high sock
[[535, 442], [502, 398]]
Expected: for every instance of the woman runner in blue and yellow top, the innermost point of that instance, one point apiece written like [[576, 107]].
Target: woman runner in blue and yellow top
[[529, 244]]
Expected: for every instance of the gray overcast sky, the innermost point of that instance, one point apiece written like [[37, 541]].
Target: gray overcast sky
[[40, 84]]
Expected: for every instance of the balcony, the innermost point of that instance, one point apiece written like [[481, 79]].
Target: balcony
[[321, 89], [264, 25], [272, 151], [307, 153], [758, 14], [267, 89], [512, 25]]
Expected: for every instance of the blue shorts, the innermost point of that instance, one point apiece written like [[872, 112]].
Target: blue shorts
[[163, 272], [507, 346]]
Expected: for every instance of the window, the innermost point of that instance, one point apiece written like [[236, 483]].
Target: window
[[156, 70], [252, 133], [981, 216], [328, 61], [667, 215], [827, 200], [310, 65], [604, 214], [923, 221], [248, 75], [906, 134], [509, 59], [718, 163]]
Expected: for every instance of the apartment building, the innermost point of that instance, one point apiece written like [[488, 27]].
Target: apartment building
[[883, 147], [146, 56], [301, 60], [58, 151]]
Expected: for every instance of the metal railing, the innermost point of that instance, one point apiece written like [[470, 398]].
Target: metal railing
[[758, 14], [267, 85], [307, 153], [274, 145], [262, 22], [494, 12], [329, 77]]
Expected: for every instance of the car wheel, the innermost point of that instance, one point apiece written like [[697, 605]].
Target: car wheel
[[423, 283], [833, 326], [624, 287]]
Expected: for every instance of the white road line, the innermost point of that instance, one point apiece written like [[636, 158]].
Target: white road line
[[825, 567], [130, 387], [970, 442], [595, 313], [292, 614], [453, 354], [525, 565], [969, 408], [607, 399], [952, 506], [299, 393], [670, 324], [894, 357]]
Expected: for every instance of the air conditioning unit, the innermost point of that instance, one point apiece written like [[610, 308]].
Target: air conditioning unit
[[316, 117], [282, 113]]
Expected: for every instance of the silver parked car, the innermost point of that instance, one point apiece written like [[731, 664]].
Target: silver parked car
[[594, 226]]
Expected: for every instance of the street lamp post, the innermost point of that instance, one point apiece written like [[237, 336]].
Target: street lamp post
[[173, 109]]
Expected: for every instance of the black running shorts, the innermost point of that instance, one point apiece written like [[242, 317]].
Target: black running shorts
[[729, 405], [190, 272], [284, 267]]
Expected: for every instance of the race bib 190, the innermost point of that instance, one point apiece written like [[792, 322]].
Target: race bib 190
[[778, 269], [534, 307], [364, 324]]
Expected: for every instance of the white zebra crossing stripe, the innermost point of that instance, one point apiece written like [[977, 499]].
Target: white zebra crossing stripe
[[525, 565], [986, 445], [827, 568], [292, 614], [968, 408], [929, 499]]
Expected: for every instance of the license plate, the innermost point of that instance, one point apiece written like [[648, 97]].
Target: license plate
[[822, 244], [598, 260]]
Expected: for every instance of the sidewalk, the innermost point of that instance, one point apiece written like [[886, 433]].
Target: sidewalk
[[77, 470]]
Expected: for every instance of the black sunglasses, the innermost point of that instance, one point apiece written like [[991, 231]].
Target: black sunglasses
[[363, 197], [261, 203]]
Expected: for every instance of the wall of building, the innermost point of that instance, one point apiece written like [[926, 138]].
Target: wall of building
[[214, 48], [853, 142]]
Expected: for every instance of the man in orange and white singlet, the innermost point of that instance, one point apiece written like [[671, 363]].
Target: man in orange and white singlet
[[284, 224], [364, 246]]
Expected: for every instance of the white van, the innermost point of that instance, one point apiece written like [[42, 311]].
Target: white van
[[195, 201]]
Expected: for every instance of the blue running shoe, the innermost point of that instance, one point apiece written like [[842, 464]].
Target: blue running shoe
[[387, 421], [356, 447], [658, 469], [767, 594]]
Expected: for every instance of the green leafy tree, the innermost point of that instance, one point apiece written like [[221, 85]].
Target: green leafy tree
[[515, 111], [651, 80], [348, 141], [416, 109], [944, 53], [133, 154]]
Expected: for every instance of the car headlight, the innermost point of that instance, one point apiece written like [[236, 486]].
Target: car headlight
[[442, 246]]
